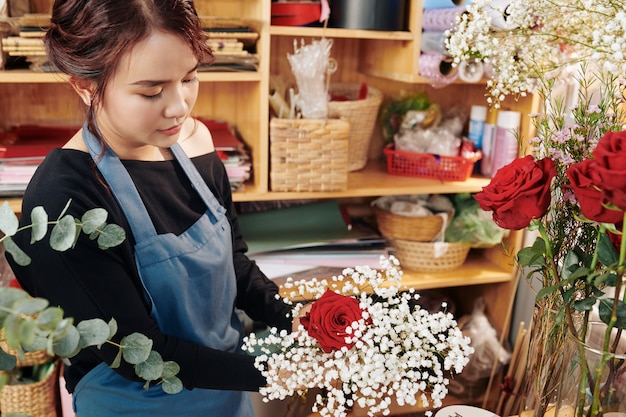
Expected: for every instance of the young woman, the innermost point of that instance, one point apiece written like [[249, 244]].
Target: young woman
[[182, 270]]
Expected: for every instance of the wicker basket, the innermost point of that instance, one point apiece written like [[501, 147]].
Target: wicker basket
[[309, 154], [39, 399], [362, 115], [414, 228], [29, 358], [429, 256]]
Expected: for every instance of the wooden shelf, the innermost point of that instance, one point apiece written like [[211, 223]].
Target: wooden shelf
[[340, 33], [373, 181]]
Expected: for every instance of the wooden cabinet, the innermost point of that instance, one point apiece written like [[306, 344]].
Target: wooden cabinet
[[386, 60]]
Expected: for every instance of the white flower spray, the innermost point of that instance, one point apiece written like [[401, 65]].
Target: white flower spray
[[401, 353]]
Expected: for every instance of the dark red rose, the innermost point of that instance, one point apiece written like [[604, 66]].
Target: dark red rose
[[519, 192], [586, 184], [610, 153], [328, 319]]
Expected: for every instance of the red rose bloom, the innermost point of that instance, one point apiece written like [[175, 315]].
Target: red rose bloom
[[610, 153], [328, 319], [519, 192], [585, 182]]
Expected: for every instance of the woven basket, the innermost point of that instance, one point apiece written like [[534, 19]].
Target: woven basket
[[362, 115], [414, 228], [309, 154], [29, 358], [430, 256], [38, 399]]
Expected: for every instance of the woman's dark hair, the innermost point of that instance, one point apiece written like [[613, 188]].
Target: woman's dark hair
[[87, 37]]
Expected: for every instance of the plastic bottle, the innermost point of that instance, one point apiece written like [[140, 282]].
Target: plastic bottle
[[506, 147], [478, 115], [489, 135]]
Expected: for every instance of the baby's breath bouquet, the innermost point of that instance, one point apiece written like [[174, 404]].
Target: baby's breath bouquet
[[364, 343]]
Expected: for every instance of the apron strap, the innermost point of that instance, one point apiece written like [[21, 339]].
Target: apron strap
[[122, 187], [214, 206]]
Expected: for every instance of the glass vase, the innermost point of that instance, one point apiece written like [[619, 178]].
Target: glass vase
[[543, 390], [599, 374]]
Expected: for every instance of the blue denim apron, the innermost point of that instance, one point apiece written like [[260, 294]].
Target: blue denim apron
[[190, 283]]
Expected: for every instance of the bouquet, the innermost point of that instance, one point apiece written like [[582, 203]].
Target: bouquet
[[363, 343]]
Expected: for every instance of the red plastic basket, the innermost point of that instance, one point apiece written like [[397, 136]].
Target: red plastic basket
[[413, 164]]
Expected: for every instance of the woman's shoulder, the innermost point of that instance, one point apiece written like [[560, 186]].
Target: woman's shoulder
[[196, 138]]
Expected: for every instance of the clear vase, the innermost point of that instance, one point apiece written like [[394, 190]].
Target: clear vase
[[543, 390], [599, 375]]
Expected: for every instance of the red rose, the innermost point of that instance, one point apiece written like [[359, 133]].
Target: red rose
[[586, 184], [610, 153], [519, 192], [329, 318]]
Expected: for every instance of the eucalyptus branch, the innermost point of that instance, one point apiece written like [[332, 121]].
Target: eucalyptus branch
[[29, 324]]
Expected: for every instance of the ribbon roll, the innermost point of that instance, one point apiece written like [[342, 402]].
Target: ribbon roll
[[437, 68], [471, 71], [442, 4], [433, 42], [497, 10], [439, 20]]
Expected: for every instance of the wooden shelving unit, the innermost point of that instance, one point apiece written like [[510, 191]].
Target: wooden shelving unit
[[386, 60]]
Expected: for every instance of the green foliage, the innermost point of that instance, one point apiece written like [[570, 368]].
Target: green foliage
[[30, 324]]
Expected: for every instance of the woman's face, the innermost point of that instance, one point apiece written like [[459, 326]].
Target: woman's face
[[150, 95]]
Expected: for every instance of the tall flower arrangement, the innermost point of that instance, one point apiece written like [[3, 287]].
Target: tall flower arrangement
[[573, 173]]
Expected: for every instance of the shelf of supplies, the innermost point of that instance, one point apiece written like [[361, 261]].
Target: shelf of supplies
[[372, 181], [340, 33], [34, 77]]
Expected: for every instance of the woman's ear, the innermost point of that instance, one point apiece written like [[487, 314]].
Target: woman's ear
[[84, 88]]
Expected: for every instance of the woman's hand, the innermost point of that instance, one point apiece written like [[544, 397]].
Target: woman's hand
[[303, 311]]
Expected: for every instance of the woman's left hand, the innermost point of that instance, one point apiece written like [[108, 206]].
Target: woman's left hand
[[303, 311]]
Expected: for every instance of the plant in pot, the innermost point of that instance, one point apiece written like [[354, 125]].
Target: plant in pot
[[32, 331]]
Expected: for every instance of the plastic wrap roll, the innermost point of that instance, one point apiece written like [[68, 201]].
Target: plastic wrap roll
[[437, 68], [498, 13], [439, 20], [441, 4], [433, 42]]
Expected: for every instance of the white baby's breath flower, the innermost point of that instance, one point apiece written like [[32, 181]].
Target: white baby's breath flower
[[400, 351]]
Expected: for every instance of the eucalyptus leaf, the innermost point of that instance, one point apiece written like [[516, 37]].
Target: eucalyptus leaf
[[30, 306], [27, 330], [19, 256], [50, 317], [39, 343], [92, 332], [93, 219], [7, 361], [172, 385], [112, 328], [63, 327], [9, 295], [39, 222], [152, 368], [64, 234], [8, 220], [67, 346], [111, 236], [136, 348], [170, 369]]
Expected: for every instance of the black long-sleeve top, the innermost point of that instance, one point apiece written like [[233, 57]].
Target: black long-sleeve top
[[88, 282]]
